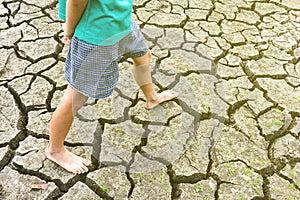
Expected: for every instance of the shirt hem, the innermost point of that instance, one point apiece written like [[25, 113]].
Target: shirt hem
[[102, 42]]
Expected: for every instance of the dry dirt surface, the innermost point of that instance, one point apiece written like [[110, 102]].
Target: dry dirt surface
[[232, 133]]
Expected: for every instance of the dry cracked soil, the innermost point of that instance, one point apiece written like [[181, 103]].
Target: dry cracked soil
[[232, 133]]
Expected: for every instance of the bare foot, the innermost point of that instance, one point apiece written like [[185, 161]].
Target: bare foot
[[162, 97], [68, 161]]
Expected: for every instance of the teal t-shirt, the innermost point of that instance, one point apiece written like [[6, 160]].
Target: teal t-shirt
[[104, 22]]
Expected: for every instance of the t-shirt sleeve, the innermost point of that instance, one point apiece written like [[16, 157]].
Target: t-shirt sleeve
[[62, 9]]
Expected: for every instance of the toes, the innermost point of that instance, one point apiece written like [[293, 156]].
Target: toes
[[166, 95], [86, 162], [82, 168], [170, 94], [162, 97], [85, 169], [74, 170], [79, 169]]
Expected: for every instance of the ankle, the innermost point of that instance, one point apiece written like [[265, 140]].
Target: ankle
[[152, 98], [149, 92], [50, 149]]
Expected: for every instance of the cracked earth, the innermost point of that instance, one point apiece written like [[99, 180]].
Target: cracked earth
[[232, 133]]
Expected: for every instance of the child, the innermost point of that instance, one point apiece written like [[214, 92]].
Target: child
[[99, 32]]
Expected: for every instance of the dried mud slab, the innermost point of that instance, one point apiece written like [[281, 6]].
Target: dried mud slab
[[232, 133]]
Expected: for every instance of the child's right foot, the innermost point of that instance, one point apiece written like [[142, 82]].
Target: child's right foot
[[68, 161], [161, 97]]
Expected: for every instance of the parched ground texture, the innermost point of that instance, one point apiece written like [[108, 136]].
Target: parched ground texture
[[232, 133]]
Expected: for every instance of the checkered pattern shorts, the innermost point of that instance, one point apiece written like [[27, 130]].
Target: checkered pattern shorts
[[93, 70]]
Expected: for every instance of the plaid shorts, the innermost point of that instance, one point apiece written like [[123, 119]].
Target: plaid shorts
[[93, 70]]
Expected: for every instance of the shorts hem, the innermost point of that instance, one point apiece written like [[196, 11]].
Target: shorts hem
[[88, 95]]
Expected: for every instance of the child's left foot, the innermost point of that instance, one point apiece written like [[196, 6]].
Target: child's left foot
[[68, 161], [161, 97]]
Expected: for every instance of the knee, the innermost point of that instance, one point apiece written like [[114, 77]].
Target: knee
[[148, 55], [145, 59], [78, 103]]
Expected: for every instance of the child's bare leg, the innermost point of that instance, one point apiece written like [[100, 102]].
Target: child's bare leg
[[60, 125], [142, 75]]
